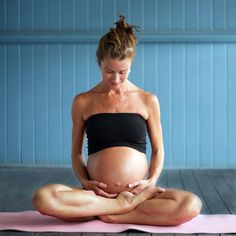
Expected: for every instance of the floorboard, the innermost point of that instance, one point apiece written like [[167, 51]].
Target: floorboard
[[190, 184], [226, 194], [216, 188], [210, 195]]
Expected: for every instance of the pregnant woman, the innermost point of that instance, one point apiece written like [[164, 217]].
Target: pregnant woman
[[118, 186]]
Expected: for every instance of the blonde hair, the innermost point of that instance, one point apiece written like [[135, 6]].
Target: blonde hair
[[119, 43]]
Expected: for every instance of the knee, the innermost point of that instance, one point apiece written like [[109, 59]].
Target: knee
[[43, 200], [189, 207], [193, 205]]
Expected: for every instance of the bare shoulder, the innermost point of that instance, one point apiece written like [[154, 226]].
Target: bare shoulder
[[152, 104], [151, 100], [78, 101], [80, 98], [79, 104]]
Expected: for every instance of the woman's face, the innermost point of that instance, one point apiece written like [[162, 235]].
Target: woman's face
[[115, 72]]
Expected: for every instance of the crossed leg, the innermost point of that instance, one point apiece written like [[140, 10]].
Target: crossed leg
[[172, 207], [77, 204]]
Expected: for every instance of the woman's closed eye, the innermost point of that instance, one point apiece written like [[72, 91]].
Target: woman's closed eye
[[123, 72], [109, 72]]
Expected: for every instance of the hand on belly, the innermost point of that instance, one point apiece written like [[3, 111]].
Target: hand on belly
[[117, 167], [116, 184]]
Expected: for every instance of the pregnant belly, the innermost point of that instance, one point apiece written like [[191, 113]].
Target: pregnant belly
[[117, 167]]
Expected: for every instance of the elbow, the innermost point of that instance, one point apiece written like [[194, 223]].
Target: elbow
[[158, 152]]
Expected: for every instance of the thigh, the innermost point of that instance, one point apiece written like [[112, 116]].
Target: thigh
[[52, 188], [56, 187], [169, 201], [172, 194]]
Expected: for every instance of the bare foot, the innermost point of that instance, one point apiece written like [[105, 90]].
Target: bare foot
[[128, 201]]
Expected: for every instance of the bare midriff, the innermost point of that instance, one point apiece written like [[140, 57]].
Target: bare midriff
[[117, 167]]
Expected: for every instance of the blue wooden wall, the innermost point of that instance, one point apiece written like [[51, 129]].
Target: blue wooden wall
[[186, 55]]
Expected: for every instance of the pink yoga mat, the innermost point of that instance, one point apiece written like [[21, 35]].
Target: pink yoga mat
[[33, 221]]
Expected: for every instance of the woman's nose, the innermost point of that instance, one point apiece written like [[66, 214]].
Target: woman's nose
[[116, 77]]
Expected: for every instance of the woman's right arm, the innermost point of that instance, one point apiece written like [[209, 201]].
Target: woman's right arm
[[78, 132]]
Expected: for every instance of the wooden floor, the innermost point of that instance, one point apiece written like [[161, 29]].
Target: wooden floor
[[216, 188]]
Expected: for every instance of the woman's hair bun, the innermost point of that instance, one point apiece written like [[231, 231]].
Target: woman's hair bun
[[120, 42], [121, 24]]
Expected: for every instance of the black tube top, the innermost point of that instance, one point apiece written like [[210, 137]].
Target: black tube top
[[106, 130]]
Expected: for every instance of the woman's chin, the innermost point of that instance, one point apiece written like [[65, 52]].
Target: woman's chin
[[114, 86]]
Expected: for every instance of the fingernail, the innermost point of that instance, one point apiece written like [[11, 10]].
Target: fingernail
[[130, 185]]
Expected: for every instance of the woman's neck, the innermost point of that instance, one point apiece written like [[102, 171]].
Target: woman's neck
[[124, 88]]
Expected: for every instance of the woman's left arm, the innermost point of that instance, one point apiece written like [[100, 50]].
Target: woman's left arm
[[156, 139]]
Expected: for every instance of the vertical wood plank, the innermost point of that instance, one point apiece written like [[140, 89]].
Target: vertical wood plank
[[123, 8], [164, 92], [163, 14], [94, 71], [150, 17], [148, 82], [137, 13], [54, 15], [82, 68], [220, 105], [41, 105], [67, 15], [136, 74], [206, 109], [13, 105], [54, 104], [40, 15], [219, 14], [81, 15], [192, 105], [26, 15], [95, 14], [27, 106], [2, 15], [67, 96], [231, 128], [231, 14], [205, 15], [178, 105], [177, 15], [149, 67], [192, 20], [3, 95], [110, 17], [12, 15]]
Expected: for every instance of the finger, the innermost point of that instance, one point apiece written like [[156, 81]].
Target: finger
[[112, 195], [138, 189], [102, 193], [134, 184], [160, 190], [100, 184]]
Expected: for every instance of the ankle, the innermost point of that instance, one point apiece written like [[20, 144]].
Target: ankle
[[125, 201]]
